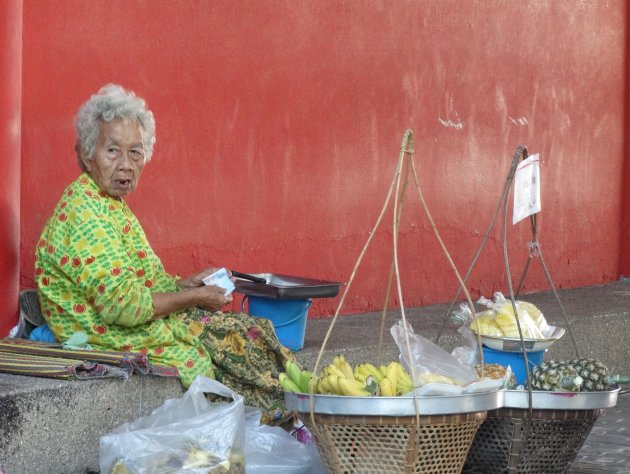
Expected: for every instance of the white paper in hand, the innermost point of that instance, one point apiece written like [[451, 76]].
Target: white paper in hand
[[526, 189], [220, 278]]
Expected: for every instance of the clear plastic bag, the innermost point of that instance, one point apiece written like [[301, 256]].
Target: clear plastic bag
[[188, 435], [270, 449], [499, 320], [431, 363]]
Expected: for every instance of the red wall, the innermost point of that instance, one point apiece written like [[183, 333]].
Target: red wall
[[279, 125], [625, 227], [10, 109]]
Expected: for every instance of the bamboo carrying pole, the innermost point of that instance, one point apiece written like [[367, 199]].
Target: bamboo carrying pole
[[398, 187]]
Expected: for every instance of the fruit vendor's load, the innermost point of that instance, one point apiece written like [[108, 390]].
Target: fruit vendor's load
[[431, 363], [339, 378], [586, 375], [430, 371], [499, 320]]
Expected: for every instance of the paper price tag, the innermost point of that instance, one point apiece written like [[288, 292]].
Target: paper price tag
[[526, 189], [220, 278]]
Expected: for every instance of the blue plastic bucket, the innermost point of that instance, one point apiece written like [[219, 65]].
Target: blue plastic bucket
[[514, 360], [288, 318]]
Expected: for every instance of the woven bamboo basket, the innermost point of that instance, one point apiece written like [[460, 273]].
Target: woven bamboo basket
[[382, 445], [543, 441]]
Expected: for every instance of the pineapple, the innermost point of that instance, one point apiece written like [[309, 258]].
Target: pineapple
[[596, 375], [556, 376]]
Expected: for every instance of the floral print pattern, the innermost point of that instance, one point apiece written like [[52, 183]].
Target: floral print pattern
[[95, 272]]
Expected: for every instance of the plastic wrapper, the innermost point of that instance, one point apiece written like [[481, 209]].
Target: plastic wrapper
[[429, 363], [188, 435], [271, 449], [499, 319]]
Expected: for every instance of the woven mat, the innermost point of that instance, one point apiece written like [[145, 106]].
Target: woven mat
[[42, 359]]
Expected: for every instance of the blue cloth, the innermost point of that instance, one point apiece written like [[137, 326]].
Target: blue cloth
[[42, 333]]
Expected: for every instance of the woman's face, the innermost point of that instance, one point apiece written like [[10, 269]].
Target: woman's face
[[118, 157]]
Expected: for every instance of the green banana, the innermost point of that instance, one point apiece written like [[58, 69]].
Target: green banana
[[294, 371], [305, 381], [288, 384]]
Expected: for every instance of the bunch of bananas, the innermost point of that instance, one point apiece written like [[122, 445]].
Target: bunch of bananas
[[339, 378], [296, 379]]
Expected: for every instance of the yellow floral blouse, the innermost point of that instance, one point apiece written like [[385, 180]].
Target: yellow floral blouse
[[95, 272]]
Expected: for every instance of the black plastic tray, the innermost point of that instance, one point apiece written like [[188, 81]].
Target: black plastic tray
[[286, 287]]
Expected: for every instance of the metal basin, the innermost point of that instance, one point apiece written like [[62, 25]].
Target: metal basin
[[287, 287]]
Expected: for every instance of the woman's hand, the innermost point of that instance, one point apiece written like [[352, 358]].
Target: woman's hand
[[208, 297], [212, 298], [196, 281]]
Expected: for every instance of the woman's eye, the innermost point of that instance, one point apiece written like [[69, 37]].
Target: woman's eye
[[137, 154]]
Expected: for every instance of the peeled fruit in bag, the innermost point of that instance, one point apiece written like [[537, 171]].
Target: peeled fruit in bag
[[484, 323], [501, 322], [430, 377], [496, 372]]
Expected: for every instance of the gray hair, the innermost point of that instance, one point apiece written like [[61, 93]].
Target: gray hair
[[111, 102]]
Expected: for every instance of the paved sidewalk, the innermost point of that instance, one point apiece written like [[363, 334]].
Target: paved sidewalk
[[607, 448]]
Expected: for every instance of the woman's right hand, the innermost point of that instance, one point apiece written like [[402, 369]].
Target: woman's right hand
[[207, 297], [212, 298]]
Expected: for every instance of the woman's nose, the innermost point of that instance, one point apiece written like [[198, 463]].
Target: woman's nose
[[124, 162]]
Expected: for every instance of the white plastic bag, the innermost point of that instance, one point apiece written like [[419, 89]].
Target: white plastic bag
[[188, 435], [270, 449], [428, 358]]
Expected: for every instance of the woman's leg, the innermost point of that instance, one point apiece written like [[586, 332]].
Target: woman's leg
[[248, 357]]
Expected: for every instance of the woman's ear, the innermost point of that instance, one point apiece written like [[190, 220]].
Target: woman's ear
[[87, 164]]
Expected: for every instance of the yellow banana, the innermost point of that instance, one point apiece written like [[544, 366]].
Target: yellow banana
[[332, 382], [351, 387], [332, 369], [372, 370], [392, 374], [360, 374], [382, 369], [322, 386], [386, 387], [343, 365], [404, 384], [288, 384]]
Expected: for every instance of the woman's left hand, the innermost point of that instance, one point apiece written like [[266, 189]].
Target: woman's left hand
[[195, 281]]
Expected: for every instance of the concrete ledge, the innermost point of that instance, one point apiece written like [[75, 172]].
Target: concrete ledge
[[49, 426]]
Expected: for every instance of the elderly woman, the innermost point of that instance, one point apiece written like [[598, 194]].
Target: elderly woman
[[96, 272]]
